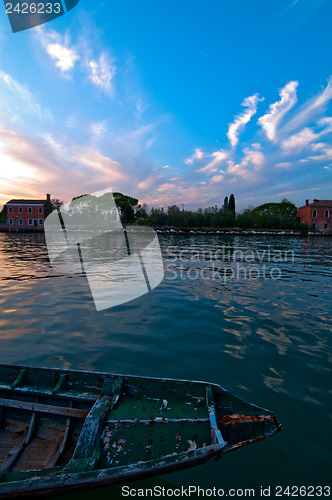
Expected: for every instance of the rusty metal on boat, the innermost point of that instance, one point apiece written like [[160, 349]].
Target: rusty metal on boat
[[66, 430]]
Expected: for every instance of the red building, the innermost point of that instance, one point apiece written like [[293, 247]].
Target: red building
[[317, 215], [26, 215]]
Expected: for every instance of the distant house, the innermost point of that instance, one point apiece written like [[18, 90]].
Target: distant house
[[317, 214], [27, 215]]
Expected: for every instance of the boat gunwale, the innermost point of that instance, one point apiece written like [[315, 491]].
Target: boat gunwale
[[74, 481], [107, 374], [125, 377]]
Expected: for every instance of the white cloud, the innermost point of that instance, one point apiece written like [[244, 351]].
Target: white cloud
[[326, 154], [135, 140], [311, 108], [254, 157], [306, 137], [167, 186], [14, 94], [100, 69], [277, 110], [147, 183], [242, 119], [101, 72], [197, 155], [218, 157], [284, 164], [98, 129], [247, 169], [58, 47], [318, 146], [96, 161], [326, 122], [52, 142], [217, 178], [64, 56], [300, 140]]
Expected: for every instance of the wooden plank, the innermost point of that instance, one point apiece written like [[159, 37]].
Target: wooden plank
[[59, 450], [157, 420], [92, 422], [84, 456], [60, 383], [18, 449], [20, 377], [13, 454], [32, 427], [38, 407], [63, 395], [215, 431]]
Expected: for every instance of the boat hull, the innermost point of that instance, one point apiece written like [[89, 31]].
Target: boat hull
[[65, 430]]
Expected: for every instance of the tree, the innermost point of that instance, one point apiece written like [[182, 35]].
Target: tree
[[126, 206], [142, 211], [227, 218], [3, 213], [231, 203], [158, 217], [75, 197], [225, 206], [284, 209], [53, 204], [175, 216]]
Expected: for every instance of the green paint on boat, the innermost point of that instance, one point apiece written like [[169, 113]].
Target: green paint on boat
[[65, 430]]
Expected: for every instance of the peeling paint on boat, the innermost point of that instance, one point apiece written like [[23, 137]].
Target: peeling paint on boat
[[100, 429]]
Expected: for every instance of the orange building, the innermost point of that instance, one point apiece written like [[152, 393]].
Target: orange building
[[26, 215], [316, 214]]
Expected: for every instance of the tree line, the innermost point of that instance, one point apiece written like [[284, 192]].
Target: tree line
[[273, 215], [282, 215]]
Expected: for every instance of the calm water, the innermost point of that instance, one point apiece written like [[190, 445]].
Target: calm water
[[253, 314]]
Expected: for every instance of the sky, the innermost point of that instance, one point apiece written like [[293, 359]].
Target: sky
[[172, 102]]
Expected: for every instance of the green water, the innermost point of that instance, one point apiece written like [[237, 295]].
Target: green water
[[264, 334]]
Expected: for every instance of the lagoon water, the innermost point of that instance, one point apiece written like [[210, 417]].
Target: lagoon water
[[253, 314]]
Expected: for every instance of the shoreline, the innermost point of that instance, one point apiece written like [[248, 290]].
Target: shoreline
[[240, 232], [210, 232]]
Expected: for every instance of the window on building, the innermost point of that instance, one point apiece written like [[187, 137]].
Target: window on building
[[20, 221], [10, 210], [325, 226], [10, 221], [30, 222], [40, 210], [20, 210], [29, 210], [40, 222], [327, 214], [314, 214]]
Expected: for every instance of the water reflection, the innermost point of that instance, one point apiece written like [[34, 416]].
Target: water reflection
[[236, 318], [265, 339]]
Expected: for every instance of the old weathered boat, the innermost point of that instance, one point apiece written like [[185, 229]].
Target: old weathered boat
[[66, 430]]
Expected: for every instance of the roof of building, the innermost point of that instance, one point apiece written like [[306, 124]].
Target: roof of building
[[319, 203], [30, 202]]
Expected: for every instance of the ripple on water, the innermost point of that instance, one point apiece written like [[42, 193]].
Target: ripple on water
[[268, 340]]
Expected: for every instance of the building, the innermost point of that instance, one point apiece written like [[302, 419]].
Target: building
[[317, 215], [27, 215]]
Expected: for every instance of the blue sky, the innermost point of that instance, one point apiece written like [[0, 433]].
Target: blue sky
[[171, 102]]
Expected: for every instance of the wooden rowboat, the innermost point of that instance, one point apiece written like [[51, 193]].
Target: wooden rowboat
[[64, 430]]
